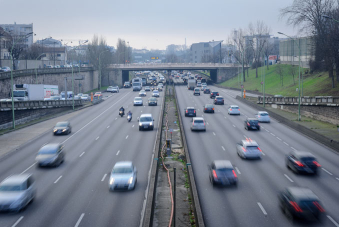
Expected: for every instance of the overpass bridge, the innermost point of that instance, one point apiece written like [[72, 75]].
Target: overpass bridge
[[219, 72]]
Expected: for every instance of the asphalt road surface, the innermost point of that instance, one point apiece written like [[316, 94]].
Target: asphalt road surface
[[254, 202], [76, 193]]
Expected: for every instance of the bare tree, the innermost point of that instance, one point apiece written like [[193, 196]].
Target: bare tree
[[238, 39], [280, 71], [293, 71]]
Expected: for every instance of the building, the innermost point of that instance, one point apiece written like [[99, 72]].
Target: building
[[227, 53], [5, 42], [19, 31], [205, 52]]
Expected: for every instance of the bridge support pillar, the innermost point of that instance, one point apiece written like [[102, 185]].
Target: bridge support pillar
[[225, 74]]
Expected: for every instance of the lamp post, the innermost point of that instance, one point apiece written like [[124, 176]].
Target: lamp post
[[299, 99], [100, 68], [243, 74], [36, 70], [12, 88], [124, 52], [128, 53]]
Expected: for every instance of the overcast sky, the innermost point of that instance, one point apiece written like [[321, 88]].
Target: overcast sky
[[147, 24]]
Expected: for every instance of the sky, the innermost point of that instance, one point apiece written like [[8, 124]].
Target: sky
[[147, 24]]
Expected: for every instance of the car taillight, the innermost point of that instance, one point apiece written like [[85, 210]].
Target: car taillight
[[248, 124], [230, 109], [243, 149], [212, 108], [215, 99], [259, 149], [299, 163], [194, 111], [316, 163], [296, 206], [258, 124], [205, 108], [235, 175], [186, 111], [204, 123], [318, 206], [215, 174]]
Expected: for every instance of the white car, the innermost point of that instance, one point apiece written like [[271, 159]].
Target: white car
[[138, 101], [49, 67], [263, 116], [115, 89], [123, 176], [198, 84], [160, 84], [85, 97], [248, 149], [110, 89], [234, 109], [155, 93], [80, 94], [146, 121], [5, 69]]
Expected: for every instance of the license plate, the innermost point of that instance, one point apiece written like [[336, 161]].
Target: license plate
[[146, 126], [254, 127]]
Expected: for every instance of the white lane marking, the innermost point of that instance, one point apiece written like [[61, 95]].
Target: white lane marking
[[118, 152], [28, 168], [207, 123], [126, 136], [332, 220], [272, 134], [245, 136], [78, 222], [286, 144], [288, 178], [44, 144], [141, 111], [82, 154], [132, 126], [103, 178], [263, 153], [202, 115], [234, 126], [225, 117], [116, 118], [236, 168], [223, 148], [337, 178], [97, 138], [213, 133], [107, 126], [267, 130], [144, 106], [262, 126], [293, 148], [93, 119], [278, 138], [57, 180], [327, 171], [262, 208], [17, 222]]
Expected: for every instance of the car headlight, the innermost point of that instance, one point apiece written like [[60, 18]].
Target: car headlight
[[16, 203], [64, 130], [111, 181], [130, 180], [140, 124], [151, 123], [55, 130]]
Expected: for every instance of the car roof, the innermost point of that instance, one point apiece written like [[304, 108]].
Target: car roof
[[234, 106], [123, 164], [51, 146], [302, 154], [63, 122], [198, 118], [262, 112], [248, 143], [16, 179], [252, 119], [221, 164], [190, 108], [146, 115], [219, 97], [301, 193]]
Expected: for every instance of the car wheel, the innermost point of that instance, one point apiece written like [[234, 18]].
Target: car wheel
[[288, 214], [135, 184]]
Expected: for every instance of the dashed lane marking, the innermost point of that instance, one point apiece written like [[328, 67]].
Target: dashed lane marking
[[278, 138], [79, 220], [57, 180], [126, 136], [17, 222], [236, 168], [286, 144], [82, 154], [107, 126], [262, 208], [272, 134], [103, 178], [223, 148], [288, 178], [213, 133], [234, 126], [97, 138], [118, 152], [327, 171]]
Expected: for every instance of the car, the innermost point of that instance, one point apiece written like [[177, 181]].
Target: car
[[98, 93], [127, 84], [85, 97], [142, 93], [219, 100], [213, 94], [208, 108], [198, 124], [109, 89], [80, 94], [123, 176], [152, 101], [49, 66], [252, 123], [207, 91], [301, 203], [16, 192], [222, 173], [190, 112], [77, 97], [5, 69], [63, 127], [233, 109], [155, 93], [159, 88], [248, 149], [57, 66], [50, 155], [263, 116], [203, 84], [146, 121], [196, 91], [161, 84], [198, 84], [138, 101], [115, 89], [147, 88], [302, 162]]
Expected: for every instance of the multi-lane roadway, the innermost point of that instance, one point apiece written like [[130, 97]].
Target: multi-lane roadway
[[76, 193]]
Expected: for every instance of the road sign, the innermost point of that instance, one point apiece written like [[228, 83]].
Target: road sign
[[154, 58], [170, 130]]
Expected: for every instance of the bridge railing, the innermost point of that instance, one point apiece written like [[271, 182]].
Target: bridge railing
[[164, 65], [38, 104], [317, 100]]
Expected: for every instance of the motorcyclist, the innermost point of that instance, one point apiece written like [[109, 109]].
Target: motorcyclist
[[129, 113], [122, 110]]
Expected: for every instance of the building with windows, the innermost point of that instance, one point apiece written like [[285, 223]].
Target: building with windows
[[205, 52], [5, 41], [19, 31]]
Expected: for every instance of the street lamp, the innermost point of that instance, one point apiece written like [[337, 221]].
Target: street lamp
[[100, 68], [299, 99], [12, 88], [36, 72]]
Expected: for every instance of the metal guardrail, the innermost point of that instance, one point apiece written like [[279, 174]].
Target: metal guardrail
[[20, 105], [306, 100], [16, 73]]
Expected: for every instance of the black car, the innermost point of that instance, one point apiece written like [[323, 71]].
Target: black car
[[63, 127], [190, 112], [222, 173], [208, 108], [127, 85], [219, 100], [152, 101], [207, 91], [213, 94], [302, 203], [252, 123], [50, 155], [302, 162]]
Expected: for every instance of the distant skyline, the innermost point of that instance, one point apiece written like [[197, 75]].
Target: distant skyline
[[144, 24]]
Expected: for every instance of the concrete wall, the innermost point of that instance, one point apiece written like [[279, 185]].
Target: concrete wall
[[30, 64], [115, 77], [226, 74]]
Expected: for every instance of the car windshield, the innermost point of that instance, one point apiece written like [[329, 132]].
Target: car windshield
[[307, 159], [152, 99], [198, 121], [136, 84], [234, 107], [84, 95], [209, 106], [253, 122], [122, 170], [145, 119], [224, 171], [10, 188], [190, 110], [263, 114], [47, 150], [220, 98], [138, 99], [155, 92], [61, 124], [252, 148]]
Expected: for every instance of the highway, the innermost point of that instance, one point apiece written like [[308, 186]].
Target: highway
[[254, 202], [76, 193]]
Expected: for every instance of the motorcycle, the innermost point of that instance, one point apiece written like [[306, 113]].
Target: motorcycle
[[121, 113], [129, 118]]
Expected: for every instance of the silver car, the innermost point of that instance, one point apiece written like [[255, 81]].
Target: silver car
[[123, 176], [16, 192], [198, 124], [263, 116], [248, 149], [146, 121], [85, 97], [138, 101], [51, 155], [155, 93], [233, 109]]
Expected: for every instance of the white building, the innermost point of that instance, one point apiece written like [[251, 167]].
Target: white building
[[19, 31]]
